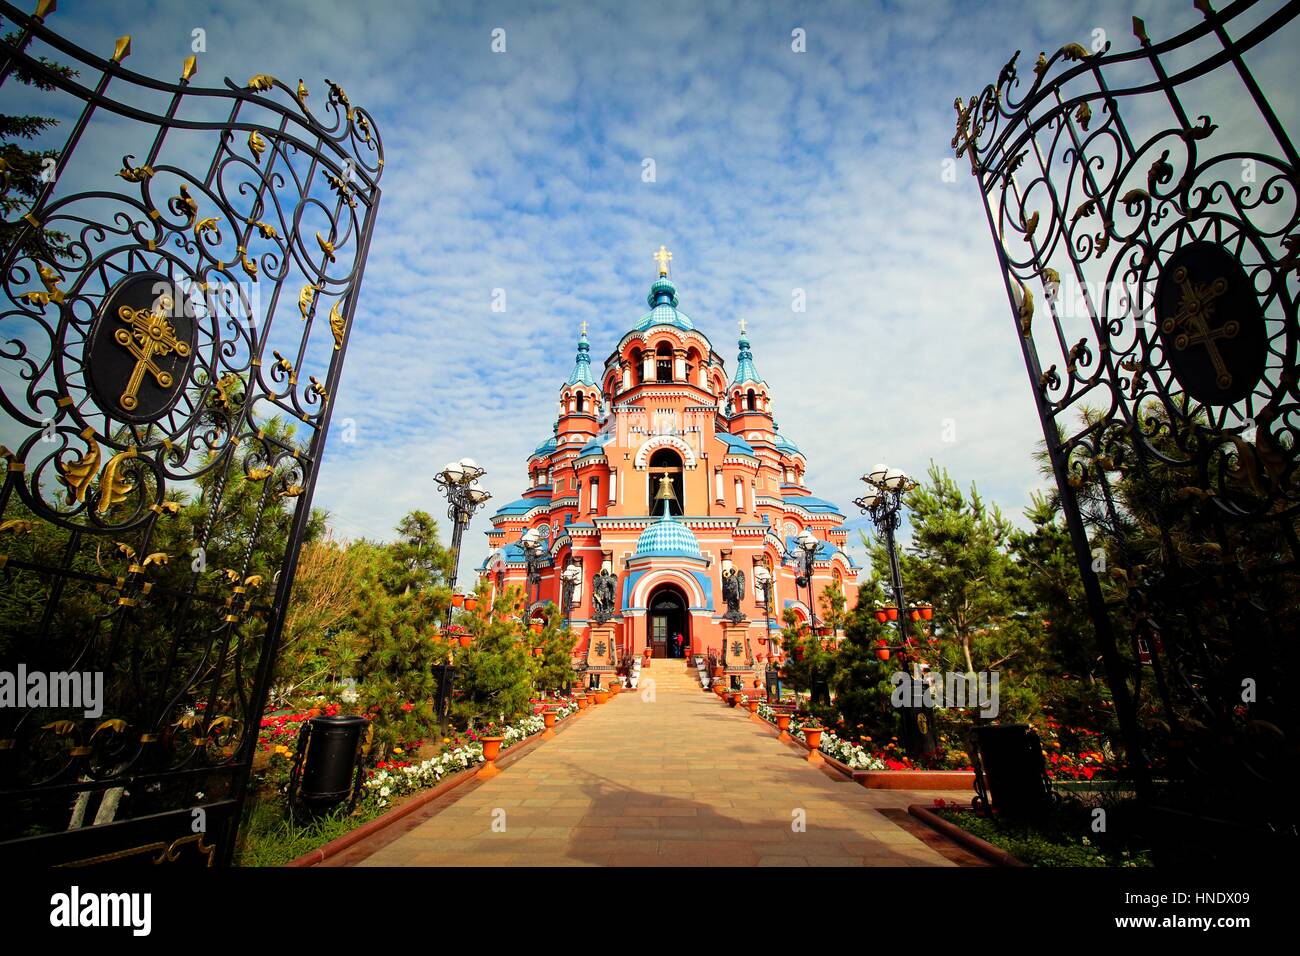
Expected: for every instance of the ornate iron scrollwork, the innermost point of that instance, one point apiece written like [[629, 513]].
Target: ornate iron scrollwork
[[1173, 421], [167, 394]]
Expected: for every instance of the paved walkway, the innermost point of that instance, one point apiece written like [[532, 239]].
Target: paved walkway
[[671, 777]]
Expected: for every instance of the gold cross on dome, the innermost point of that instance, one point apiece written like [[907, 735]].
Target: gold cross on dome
[[583, 327], [742, 327], [663, 257]]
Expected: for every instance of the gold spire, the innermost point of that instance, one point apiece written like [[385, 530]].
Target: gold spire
[[742, 327], [663, 257], [583, 327]]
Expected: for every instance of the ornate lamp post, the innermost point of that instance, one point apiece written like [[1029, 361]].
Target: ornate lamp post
[[534, 544], [763, 579], [569, 580], [883, 503], [459, 483], [806, 545]]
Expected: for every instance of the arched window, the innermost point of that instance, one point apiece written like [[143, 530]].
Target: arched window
[[665, 461], [664, 363], [580, 402], [637, 365], [749, 400]]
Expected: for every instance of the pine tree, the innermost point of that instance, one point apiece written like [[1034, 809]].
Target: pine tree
[[554, 667], [401, 598], [24, 172], [495, 673], [860, 679]]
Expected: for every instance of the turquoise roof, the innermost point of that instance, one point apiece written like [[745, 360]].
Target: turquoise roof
[[545, 448], [745, 371], [519, 506], [735, 444], [663, 307], [596, 446], [582, 368], [809, 503], [668, 537], [786, 445]]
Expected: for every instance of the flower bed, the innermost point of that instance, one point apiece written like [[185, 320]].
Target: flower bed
[[276, 835], [850, 755], [394, 779]]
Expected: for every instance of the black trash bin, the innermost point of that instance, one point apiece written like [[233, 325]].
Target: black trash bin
[[1014, 771], [328, 749]]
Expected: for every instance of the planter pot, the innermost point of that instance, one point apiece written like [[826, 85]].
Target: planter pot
[[814, 738], [719, 689], [464, 640], [491, 750], [602, 696], [549, 717], [717, 672], [733, 699], [583, 702], [916, 779], [783, 725], [753, 706]]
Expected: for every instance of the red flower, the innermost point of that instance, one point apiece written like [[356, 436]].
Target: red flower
[[408, 706]]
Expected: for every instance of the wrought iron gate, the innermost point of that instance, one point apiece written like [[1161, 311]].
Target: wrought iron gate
[[1150, 245], [172, 330]]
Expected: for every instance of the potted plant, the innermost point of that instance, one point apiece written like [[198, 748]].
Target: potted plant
[[783, 725], [548, 716], [491, 750], [813, 735]]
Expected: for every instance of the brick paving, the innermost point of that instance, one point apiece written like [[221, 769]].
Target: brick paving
[[668, 778]]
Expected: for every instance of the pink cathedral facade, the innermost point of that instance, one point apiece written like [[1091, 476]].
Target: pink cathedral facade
[[664, 405]]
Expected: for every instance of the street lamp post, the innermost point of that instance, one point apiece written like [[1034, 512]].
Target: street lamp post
[[458, 481], [763, 578], [569, 579], [806, 555], [883, 503], [534, 544]]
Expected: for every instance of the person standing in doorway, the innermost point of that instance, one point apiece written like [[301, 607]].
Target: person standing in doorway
[[677, 644]]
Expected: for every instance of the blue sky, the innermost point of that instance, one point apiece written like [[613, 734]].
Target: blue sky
[[775, 171]]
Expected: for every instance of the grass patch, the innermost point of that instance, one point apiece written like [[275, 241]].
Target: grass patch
[[1064, 838], [274, 834]]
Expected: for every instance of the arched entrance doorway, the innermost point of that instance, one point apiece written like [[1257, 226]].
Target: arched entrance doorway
[[668, 618]]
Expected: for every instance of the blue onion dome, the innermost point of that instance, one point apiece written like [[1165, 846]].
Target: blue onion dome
[[668, 537], [581, 374], [662, 300]]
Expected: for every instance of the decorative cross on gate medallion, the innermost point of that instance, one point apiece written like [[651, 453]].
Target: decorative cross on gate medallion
[[151, 336], [1194, 311]]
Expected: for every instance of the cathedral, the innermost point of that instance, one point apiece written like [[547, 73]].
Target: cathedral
[[666, 512]]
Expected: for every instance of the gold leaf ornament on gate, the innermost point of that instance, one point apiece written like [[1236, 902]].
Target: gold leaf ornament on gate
[[78, 475], [256, 145], [112, 487], [337, 324]]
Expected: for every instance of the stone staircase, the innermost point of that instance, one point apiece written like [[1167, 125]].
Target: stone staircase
[[672, 675]]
